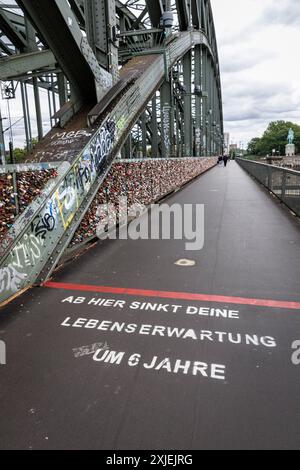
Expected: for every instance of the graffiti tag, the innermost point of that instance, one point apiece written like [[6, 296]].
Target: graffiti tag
[[11, 279], [42, 224], [102, 145]]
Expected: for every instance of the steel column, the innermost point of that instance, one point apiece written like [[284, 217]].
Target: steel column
[[37, 101], [210, 110], [62, 89], [128, 146], [155, 10], [188, 127], [166, 107], [205, 101], [144, 134], [101, 25], [198, 100], [57, 24], [27, 124], [154, 149], [2, 141], [184, 11]]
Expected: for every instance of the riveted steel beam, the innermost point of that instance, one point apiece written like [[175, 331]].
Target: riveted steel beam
[[20, 64], [58, 26], [166, 118], [10, 30], [188, 124], [155, 9], [78, 11], [198, 99], [196, 13], [183, 10]]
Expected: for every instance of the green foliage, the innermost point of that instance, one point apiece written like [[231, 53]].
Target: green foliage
[[21, 153], [253, 146], [275, 137]]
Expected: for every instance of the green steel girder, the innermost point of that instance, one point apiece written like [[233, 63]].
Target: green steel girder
[[20, 64], [20, 24], [5, 48], [100, 22], [78, 11], [52, 25], [140, 19], [58, 26], [183, 9], [16, 19], [198, 100], [188, 127], [166, 119], [10, 30], [196, 13], [202, 18], [121, 9], [155, 10]]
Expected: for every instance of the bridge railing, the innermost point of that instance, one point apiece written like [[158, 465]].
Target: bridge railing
[[282, 182], [23, 167]]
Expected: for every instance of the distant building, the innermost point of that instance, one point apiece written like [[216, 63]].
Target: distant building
[[226, 142]]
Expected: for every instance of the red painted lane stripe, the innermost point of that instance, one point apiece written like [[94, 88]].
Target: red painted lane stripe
[[175, 295]]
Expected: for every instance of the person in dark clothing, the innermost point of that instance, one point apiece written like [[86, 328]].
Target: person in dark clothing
[[220, 159], [225, 159]]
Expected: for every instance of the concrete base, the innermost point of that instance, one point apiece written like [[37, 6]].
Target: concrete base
[[290, 150]]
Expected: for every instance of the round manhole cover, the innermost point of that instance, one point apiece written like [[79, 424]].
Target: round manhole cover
[[186, 263]]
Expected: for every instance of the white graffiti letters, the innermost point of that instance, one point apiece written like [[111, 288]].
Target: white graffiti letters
[[102, 145], [68, 198], [27, 252], [11, 279], [166, 128]]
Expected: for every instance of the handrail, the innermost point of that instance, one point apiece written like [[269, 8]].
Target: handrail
[[284, 183], [24, 167], [267, 165]]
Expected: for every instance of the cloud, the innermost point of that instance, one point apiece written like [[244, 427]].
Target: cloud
[[260, 72], [241, 58], [285, 12]]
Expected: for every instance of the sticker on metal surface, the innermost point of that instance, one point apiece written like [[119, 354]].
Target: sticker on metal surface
[[186, 263]]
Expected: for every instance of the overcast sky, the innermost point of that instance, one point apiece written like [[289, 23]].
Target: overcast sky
[[258, 47]]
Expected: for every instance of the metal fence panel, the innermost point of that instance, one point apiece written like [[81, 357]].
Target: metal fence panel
[[282, 182]]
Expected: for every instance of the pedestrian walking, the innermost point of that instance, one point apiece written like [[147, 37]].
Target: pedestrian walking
[[225, 160]]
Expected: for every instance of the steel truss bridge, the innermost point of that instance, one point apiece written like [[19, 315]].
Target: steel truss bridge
[[124, 79]]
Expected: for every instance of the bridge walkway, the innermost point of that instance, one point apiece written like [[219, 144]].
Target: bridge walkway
[[211, 365]]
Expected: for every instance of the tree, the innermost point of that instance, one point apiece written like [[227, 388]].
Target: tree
[[274, 138], [253, 146], [21, 153]]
